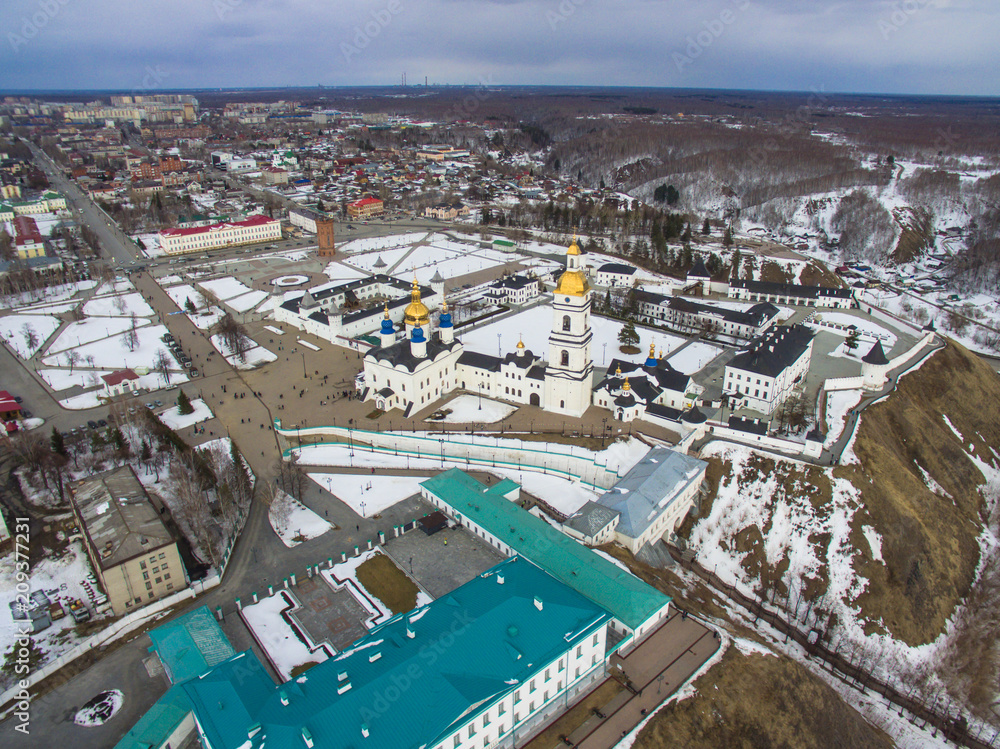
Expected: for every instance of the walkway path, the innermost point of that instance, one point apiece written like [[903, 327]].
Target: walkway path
[[653, 671]]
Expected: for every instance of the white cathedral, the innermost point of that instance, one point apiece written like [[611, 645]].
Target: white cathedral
[[423, 367]]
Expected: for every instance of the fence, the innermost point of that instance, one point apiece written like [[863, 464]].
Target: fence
[[951, 723], [567, 461]]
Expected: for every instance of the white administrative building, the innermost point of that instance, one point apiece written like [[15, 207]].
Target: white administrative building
[[253, 230]]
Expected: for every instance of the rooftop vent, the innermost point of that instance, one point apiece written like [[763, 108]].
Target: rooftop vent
[[374, 657], [283, 696], [307, 737], [500, 576], [253, 730], [538, 603], [344, 687], [342, 676], [364, 730]]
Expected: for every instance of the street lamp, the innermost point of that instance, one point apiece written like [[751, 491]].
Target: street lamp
[[498, 345], [441, 443], [363, 508], [304, 375], [604, 431], [480, 396], [605, 345]]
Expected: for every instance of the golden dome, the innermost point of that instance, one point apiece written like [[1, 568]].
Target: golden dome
[[618, 371], [626, 386], [444, 305], [572, 283], [520, 344], [386, 316], [416, 312], [573, 249], [652, 350]]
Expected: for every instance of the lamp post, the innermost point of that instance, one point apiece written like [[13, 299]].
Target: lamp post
[[605, 345], [480, 396], [304, 375], [441, 443], [604, 431], [498, 345], [363, 508]]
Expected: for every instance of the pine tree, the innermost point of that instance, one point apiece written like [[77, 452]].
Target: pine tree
[[184, 404], [852, 341], [727, 240], [735, 268], [628, 336], [686, 236], [57, 443], [706, 228], [189, 306]]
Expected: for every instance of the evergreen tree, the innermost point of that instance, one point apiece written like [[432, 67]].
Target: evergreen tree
[[727, 240], [852, 341], [628, 336], [706, 228], [686, 236], [735, 267], [189, 306], [184, 404], [57, 443], [145, 452], [672, 195]]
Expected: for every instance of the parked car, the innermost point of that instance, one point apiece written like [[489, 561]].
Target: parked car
[[92, 424], [102, 423]]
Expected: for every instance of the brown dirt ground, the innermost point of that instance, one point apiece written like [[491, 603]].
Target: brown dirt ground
[[384, 580], [928, 540], [815, 274], [760, 701]]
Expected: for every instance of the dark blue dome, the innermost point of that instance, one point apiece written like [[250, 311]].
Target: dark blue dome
[[418, 335]]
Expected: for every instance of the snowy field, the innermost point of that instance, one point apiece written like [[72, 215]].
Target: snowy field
[[838, 403], [368, 244], [246, 302], [534, 325], [76, 334], [378, 493], [254, 357], [12, 328], [442, 254], [174, 419], [565, 496], [868, 329], [279, 640], [225, 288], [49, 294], [122, 305], [63, 379], [471, 409], [293, 522], [693, 358], [112, 353]]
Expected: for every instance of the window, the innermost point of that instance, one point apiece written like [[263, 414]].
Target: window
[[170, 586], [566, 322], [145, 575], [149, 586], [500, 711], [517, 696], [579, 650], [142, 565], [531, 686], [458, 741], [155, 570], [595, 637], [548, 675], [564, 358], [163, 556], [158, 580]]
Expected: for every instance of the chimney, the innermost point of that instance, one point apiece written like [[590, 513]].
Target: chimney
[[307, 737], [500, 578], [283, 696], [364, 730], [538, 603]]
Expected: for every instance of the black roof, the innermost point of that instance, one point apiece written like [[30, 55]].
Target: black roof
[[513, 282], [750, 426], [665, 412], [876, 355], [399, 353], [480, 361], [791, 289], [616, 268], [772, 352], [755, 316], [698, 270]]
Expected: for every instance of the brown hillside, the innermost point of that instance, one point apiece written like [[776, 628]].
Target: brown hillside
[[760, 701], [928, 540]]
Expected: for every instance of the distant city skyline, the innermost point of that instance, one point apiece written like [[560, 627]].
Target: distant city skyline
[[942, 47]]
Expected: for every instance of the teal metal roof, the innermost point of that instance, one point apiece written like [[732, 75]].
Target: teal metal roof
[[161, 720], [629, 599], [190, 645], [467, 649]]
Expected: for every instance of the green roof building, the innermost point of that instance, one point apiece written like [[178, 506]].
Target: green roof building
[[489, 513], [485, 665]]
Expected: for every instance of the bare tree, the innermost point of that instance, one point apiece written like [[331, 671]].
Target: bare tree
[[234, 336], [30, 337], [130, 338], [73, 358], [162, 365]]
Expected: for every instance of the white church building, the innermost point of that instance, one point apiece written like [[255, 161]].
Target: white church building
[[411, 373]]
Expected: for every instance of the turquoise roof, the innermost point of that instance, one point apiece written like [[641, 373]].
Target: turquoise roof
[[467, 649], [190, 645], [628, 598], [159, 722]]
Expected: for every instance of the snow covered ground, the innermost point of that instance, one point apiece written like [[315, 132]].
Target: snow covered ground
[[868, 329], [534, 325], [346, 573], [471, 409], [76, 334], [48, 294], [112, 353], [122, 305], [61, 578], [63, 379], [368, 495], [694, 357], [255, 356], [275, 635], [838, 403], [368, 244], [293, 522], [13, 330], [564, 495], [246, 302], [174, 419], [225, 288]]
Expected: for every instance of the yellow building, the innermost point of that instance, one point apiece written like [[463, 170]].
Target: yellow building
[[132, 552], [365, 208]]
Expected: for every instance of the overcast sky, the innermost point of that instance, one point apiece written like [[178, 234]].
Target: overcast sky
[[909, 46]]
